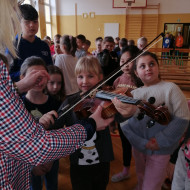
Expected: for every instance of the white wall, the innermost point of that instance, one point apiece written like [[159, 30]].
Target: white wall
[[104, 7], [53, 7], [172, 6], [100, 7]]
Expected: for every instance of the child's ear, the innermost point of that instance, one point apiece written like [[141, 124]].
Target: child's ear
[[21, 77]]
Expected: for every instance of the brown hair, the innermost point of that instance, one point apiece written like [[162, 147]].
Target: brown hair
[[69, 43], [52, 69]]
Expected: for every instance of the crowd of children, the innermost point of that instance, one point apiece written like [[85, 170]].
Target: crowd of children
[[74, 70]]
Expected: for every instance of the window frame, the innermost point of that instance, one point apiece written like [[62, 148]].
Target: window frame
[[48, 22]]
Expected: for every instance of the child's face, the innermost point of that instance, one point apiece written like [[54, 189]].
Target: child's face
[[127, 68], [99, 46], [86, 80], [147, 70], [54, 84], [37, 68], [109, 46], [57, 49], [141, 45], [56, 40], [116, 41], [79, 44], [29, 27], [86, 47]]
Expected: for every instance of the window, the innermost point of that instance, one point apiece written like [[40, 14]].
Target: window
[[27, 2], [174, 28], [30, 2], [48, 17]]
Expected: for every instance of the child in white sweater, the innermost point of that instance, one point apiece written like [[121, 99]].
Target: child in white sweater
[[153, 146]]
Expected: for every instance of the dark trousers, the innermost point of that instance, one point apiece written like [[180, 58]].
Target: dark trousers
[[51, 179], [127, 149], [91, 177]]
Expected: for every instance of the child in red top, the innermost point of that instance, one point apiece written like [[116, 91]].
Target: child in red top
[[126, 80], [179, 41]]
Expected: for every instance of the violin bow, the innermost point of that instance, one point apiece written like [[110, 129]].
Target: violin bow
[[68, 107]]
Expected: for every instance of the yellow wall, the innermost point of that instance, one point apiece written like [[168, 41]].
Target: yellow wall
[[91, 28], [130, 26], [54, 20]]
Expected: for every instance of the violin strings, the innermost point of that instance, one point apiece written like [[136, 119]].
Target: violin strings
[[95, 89], [121, 97]]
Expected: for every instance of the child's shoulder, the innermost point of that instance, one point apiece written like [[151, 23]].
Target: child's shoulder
[[168, 85], [162, 85], [163, 89]]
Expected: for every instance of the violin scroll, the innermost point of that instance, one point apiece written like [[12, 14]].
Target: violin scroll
[[161, 115], [158, 114]]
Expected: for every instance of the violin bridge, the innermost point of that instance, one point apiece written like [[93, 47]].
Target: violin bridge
[[93, 94]]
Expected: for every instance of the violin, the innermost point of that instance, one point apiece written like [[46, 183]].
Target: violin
[[158, 114]]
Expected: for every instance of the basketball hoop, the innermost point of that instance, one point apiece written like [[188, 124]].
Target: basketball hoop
[[129, 3]]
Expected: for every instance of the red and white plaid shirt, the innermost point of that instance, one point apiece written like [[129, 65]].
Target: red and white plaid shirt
[[24, 143]]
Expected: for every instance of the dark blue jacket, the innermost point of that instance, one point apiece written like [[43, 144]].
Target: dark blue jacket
[[27, 49]]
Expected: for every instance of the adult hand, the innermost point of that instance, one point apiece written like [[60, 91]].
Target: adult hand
[[34, 78], [48, 119], [42, 169], [126, 110], [101, 123]]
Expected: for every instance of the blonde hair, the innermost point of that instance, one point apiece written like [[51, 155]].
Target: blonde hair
[[88, 64], [10, 24]]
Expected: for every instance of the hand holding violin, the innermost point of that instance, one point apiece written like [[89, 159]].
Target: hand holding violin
[[101, 123], [48, 119], [152, 144], [126, 110]]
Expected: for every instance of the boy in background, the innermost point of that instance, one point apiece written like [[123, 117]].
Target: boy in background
[[142, 42], [80, 40], [108, 58], [29, 44], [86, 46], [56, 40], [98, 43], [166, 42]]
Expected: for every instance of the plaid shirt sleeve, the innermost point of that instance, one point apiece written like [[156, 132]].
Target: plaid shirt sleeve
[[22, 139]]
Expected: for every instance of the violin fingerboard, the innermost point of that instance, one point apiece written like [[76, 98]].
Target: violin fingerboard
[[123, 98]]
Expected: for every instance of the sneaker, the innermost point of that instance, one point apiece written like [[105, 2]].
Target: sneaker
[[119, 177]]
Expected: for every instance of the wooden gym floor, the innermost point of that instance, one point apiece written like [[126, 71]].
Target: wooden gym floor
[[116, 166]]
